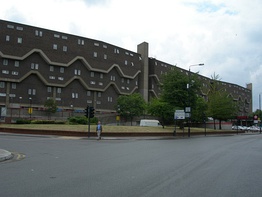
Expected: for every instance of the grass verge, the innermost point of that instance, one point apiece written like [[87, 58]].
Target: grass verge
[[106, 128]]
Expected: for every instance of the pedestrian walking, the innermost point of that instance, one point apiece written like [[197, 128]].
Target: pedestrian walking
[[99, 130]]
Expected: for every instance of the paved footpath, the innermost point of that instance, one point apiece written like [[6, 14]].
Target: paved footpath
[[5, 155]]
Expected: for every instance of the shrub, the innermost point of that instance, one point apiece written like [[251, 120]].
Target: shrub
[[22, 121], [82, 120], [77, 120], [60, 122]]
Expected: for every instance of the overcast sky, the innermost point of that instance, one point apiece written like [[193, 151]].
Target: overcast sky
[[225, 35]]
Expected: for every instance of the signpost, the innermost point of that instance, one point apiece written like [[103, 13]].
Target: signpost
[[179, 115]]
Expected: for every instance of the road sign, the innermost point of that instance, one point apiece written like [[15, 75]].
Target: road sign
[[179, 115]]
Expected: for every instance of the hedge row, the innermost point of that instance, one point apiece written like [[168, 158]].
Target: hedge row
[[72, 120]]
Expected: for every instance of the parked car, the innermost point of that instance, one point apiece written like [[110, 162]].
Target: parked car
[[253, 128], [242, 128]]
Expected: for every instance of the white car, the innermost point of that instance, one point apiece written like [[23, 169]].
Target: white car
[[253, 128], [242, 128]]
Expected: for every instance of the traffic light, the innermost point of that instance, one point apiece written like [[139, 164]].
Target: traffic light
[[86, 111], [91, 112]]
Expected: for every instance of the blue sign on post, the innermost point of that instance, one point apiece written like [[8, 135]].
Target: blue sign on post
[[179, 115]]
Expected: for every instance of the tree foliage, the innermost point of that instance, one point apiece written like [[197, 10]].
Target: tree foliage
[[221, 107], [199, 113], [180, 90], [51, 106], [161, 109], [130, 106]]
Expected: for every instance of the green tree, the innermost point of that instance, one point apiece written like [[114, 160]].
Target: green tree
[[130, 106], [161, 109], [221, 107], [180, 90], [200, 111], [50, 107]]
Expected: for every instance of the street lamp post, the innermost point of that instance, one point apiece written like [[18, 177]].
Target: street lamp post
[[260, 112], [20, 98], [188, 91], [30, 107]]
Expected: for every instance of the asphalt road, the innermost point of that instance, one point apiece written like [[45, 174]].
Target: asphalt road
[[199, 166]]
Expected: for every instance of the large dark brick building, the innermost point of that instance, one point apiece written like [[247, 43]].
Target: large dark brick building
[[37, 64]]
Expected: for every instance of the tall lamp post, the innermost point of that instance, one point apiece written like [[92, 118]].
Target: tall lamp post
[[20, 98], [188, 110], [260, 112], [30, 107]]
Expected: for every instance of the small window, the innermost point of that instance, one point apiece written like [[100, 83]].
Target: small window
[[31, 91], [5, 62], [13, 85], [77, 72], [101, 75], [19, 28], [5, 72], [105, 56], [95, 54], [74, 95], [116, 51], [64, 37], [10, 26], [88, 93], [14, 73], [55, 46], [62, 69], [81, 42], [51, 68], [16, 63], [49, 89], [59, 90], [38, 33], [92, 74], [19, 40], [110, 99], [56, 36], [96, 44], [64, 48], [7, 38], [99, 94], [2, 84]]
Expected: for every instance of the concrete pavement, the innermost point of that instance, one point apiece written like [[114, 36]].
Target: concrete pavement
[[5, 155]]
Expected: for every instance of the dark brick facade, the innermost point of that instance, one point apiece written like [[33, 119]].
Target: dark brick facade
[[38, 63]]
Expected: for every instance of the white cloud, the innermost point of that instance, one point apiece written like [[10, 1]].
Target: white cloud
[[225, 35]]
